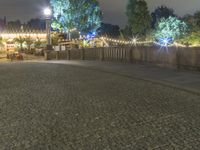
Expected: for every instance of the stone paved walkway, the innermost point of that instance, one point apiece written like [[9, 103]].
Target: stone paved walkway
[[188, 80], [46, 106]]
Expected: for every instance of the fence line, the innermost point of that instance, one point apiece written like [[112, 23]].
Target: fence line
[[179, 57]]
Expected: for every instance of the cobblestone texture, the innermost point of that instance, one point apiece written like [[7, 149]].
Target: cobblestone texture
[[61, 107]]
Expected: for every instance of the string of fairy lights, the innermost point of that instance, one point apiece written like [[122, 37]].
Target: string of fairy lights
[[133, 41], [136, 42]]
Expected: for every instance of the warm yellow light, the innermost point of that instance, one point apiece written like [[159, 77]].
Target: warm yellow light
[[16, 35]]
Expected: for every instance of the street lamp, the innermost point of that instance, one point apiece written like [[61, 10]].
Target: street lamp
[[48, 13]]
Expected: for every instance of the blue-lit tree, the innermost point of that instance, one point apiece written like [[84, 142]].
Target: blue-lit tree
[[62, 16], [84, 15], [168, 30]]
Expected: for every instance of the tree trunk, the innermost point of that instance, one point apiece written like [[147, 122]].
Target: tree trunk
[[21, 46]]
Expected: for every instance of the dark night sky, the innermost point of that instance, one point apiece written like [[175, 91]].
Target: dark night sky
[[113, 9]]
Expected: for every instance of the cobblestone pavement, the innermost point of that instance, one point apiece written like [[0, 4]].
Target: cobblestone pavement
[[63, 107]]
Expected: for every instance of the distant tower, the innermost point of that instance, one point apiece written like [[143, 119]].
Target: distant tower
[[5, 20], [22, 28]]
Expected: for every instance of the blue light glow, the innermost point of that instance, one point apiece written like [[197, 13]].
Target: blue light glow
[[165, 41], [90, 35]]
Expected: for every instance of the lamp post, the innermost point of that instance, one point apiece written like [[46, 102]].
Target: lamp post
[[48, 13]]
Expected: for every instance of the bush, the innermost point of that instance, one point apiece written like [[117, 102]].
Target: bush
[[191, 39]]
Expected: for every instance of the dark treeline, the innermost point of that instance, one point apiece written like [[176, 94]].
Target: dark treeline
[[39, 24], [141, 21], [17, 26]]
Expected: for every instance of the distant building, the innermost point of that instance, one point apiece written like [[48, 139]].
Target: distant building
[[10, 45], [34, 29]]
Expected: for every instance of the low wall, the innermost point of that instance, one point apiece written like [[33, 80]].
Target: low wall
[[168, 57]]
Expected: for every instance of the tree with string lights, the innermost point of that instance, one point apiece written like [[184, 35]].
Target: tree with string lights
[[170, 29], [83, 15]]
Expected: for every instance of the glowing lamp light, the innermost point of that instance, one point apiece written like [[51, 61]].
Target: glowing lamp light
[[165, 41], [90, 35], [134, 40], [47, 12]]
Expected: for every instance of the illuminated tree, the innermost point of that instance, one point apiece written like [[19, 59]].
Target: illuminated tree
[[38, 43], [20, 40], [61, 14], [170, 29], [193, 22], [84, 15], [55, 37], [191, 39], [139, 18], [29, 41]]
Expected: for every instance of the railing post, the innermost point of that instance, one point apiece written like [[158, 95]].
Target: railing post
[[68, 54], [178, 56], [82, 54], [57, 55], [145, 54], [102, 54], [46, 55], [130, 55]]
